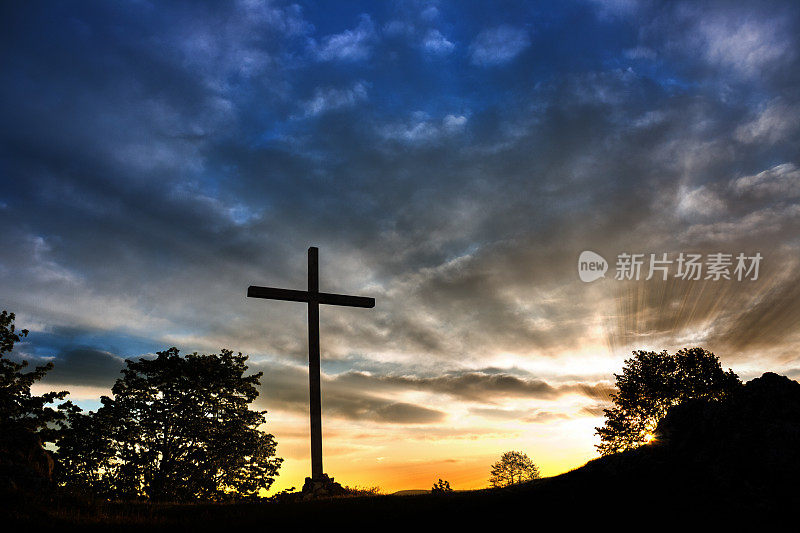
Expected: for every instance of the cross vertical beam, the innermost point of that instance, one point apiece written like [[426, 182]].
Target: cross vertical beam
[[315, 402], [313, 298]]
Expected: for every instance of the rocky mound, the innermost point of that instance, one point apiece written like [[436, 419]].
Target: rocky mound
[[741, 450], [25, 466], [751, 438]]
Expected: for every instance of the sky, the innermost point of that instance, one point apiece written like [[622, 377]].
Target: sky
[[450, 159]]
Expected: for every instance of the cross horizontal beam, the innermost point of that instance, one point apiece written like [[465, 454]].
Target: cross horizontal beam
[[327, 298]]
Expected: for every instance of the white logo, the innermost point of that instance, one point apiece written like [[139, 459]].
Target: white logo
[[591, 266]]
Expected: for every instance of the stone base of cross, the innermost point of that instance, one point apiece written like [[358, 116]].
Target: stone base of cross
[[322, 487]]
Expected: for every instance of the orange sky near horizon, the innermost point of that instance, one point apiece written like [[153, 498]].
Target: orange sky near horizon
[[394, 463]]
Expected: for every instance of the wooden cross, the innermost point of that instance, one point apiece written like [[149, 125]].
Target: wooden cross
[[313, 297]]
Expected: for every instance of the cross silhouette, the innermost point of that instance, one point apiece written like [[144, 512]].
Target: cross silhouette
[[314, 298]]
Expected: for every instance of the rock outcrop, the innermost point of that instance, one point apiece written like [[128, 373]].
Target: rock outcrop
[[25, 466], [322, 487]]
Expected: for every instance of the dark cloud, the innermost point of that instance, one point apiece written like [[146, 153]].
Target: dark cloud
[[486, 387], [393, 413], [285, 387], [483, 387], [84, 366]]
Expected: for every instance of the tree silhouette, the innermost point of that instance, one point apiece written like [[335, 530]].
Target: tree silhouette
[[19, 409], [651, 383], [441, 486], [177, 429], [26, 420], [513, 467]]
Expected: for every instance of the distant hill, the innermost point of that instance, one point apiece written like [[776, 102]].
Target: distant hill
[[410, 492], [715, 460]]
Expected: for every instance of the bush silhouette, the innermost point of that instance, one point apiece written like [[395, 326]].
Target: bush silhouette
[[441, 487]]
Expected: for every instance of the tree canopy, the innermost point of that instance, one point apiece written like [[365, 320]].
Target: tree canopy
[[651, 383], [19, 409], [176, 429], [513, 467]]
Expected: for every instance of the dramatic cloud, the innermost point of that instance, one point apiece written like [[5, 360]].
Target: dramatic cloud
[[781, 181], [450, 160]]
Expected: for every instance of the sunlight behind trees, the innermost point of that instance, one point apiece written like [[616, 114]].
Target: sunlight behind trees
[[651, 383]]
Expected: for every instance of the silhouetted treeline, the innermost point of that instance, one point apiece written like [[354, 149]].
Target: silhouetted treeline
[[712, 462], [176, 429], [181, 429]]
